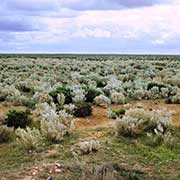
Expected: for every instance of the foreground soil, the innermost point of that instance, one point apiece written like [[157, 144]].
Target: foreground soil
[[57, 161]]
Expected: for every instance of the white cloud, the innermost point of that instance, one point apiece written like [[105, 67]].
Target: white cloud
[[89, 32], [157, 22], [157, 25]]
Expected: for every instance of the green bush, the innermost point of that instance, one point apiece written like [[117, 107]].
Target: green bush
[[82, 109], [30, 103], [61, 90], [25, 89], [120, 112], [173, 99], [18, 118], [101, 83], [116, 113], [91, 93], [155, 84], [6, 134]]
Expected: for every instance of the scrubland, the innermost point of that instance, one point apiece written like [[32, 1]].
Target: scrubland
[[89, 117]]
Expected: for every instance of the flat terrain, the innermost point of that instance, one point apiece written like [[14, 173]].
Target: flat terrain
[[100, 119], [40, 165], [59, 88]]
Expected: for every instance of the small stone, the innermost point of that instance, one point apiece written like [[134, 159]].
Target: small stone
[[49, 178], [139, 105], [58, 170], [58, 165], [34, 173]]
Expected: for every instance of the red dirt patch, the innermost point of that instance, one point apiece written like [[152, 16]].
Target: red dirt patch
[[159, 104], [97, 120], [5, 109], [100, 119]]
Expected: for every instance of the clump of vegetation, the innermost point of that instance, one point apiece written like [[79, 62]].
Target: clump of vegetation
[[113, 171], [6, 134], [24, 87], [29, 139], [102, 100], [86, 147], [155, 84], [82, 110], [18, 119], [2, 120], [137, 122], [91, 93], [116, 113], [30, 103], [61, 90], [53, 131], [173, 99], [118, 98]]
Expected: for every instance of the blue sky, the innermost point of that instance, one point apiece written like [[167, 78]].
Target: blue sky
[[93, 26]]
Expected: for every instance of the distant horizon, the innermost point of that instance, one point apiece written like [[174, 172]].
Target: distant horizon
[[118, 54]]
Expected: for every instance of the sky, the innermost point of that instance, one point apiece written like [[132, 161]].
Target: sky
[[90, 26]]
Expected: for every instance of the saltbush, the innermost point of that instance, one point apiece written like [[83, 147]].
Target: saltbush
[[155, 84], [6, 134], [86, 147], [173, 99], [53, 131], [118, 98], [136, 122], [65, 91], [29, 139], [102, 100]]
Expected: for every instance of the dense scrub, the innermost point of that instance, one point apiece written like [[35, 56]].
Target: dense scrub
[[57, 91]]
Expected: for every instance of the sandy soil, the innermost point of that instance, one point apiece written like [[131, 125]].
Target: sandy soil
[[99, 117], [5, 109]]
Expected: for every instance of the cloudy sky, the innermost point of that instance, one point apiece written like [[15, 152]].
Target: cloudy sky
[[90, 26]]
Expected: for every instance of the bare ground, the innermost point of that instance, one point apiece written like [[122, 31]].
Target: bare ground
[[100, 119]]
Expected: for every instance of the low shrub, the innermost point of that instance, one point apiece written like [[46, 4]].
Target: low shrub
[[6, 134], [25, 88], [61, 90], [91, 93], [53, 131], [100, 83], [173, 99], [86, 147], [118, 98], [30, 103], [102, 100], [52, 123], [155, 84], [3, 95], [29, 139], [2, 120], [82, 110], [18, 118], [116, 113], [137, 122], [112, 171]]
